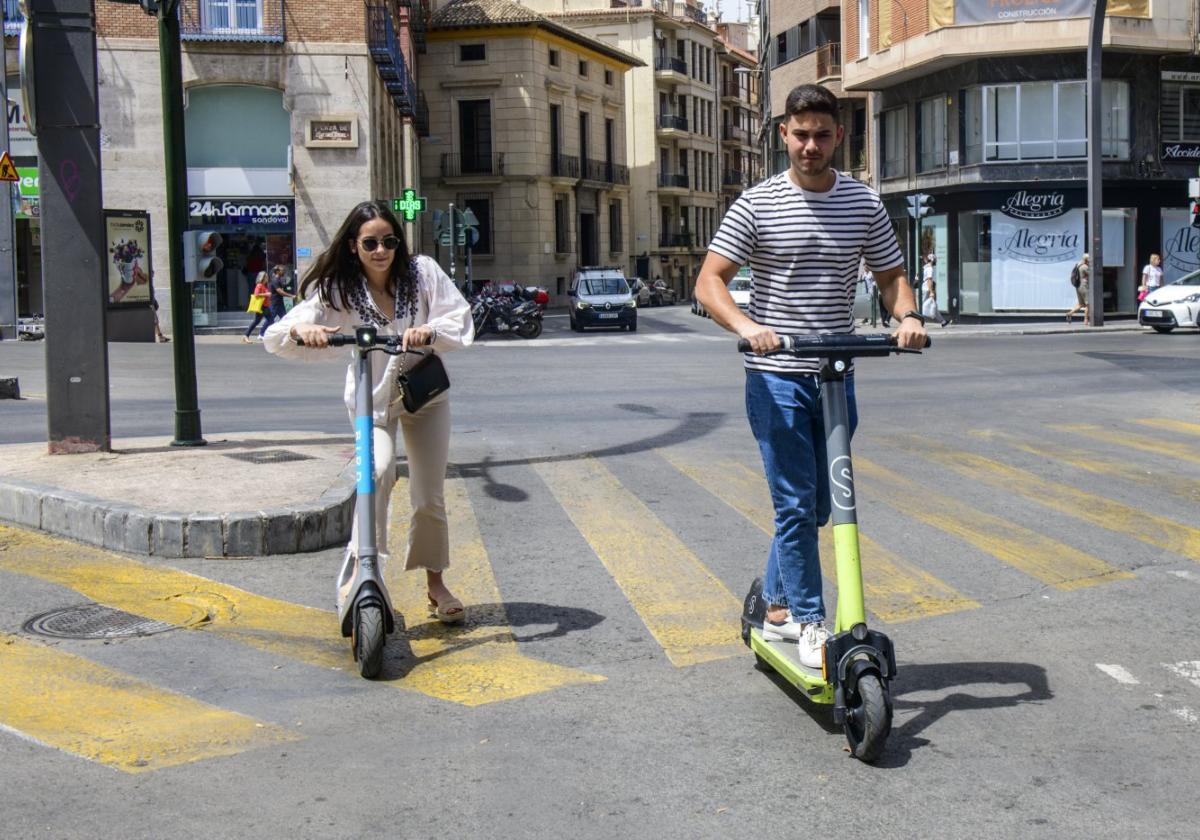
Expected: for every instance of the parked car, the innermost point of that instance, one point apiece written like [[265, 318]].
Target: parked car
[[657, 293], [739, 289], [1177, 304], [601, 297]]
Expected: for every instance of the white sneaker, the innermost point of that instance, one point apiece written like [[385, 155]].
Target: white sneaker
[[789, 630], [812, 645]]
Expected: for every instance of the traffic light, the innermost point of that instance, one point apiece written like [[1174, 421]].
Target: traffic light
[[1195, 214], [920, 205], [200, 260]]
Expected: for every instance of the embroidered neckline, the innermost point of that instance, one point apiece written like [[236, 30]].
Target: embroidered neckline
[[364, 303]]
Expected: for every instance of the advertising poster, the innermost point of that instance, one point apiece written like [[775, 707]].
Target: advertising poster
[[1035, 243], [1180, 244], [127, 269], [1011, 11]]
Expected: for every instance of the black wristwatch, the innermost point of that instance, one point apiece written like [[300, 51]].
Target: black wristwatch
[[912, 313]]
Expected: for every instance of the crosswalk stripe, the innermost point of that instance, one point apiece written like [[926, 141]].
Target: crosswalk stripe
[[894, 589], [691, 613], [1130, 440], [1042, 558], [1143, 525], [1170, 425], [68, 703], [1096, 462], [478, 661]]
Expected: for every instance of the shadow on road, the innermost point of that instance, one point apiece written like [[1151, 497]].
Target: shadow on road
[[1017, 683], [503, 618]]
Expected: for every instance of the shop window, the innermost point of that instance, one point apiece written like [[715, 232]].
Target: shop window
[[1042, 121], [481, 205], [264, 127], [894, 131], [562, 240], [472, 52], [614, 227], [931, 134]]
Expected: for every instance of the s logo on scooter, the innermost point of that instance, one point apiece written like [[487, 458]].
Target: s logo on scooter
[[841, 481]]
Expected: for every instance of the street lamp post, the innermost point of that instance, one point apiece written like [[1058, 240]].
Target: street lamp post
[[1095, 158]]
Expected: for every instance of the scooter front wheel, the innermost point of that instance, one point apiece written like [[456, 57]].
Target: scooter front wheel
[[868, 718], [368, 640]]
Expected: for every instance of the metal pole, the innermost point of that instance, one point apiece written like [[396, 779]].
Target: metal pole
[[73, 252], [9, 308], [453, 241], [1095, 234], [187, 410]]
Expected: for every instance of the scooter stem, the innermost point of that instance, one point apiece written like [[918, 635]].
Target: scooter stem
[[364, 457], [843, 509]]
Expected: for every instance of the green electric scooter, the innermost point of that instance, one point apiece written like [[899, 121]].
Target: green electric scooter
[[858, 663]]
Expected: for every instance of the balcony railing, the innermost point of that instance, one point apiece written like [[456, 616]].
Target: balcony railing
[[422, 116], [231, 20], [856, 151], [675, 240], [12, 18], [731, 89], [829, 60], [671, 121], [458, 166], [734, 133], [384, 46], [666, 63], [564, 166], [666, 179], [733, 178], [605, 172]]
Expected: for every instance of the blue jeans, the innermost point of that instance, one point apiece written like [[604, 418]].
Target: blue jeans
[[785, 415]]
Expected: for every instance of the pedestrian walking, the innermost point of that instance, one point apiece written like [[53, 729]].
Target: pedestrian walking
[[280, 294], [871, 291], [260, 306], [368, 276], [1079, 279], [929, 307], [1152, 277], [803, 233]]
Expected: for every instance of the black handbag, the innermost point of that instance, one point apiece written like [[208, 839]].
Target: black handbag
[[422, 382]]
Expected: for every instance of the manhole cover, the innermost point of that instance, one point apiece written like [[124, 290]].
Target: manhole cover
[[93, 621], [268, 456]]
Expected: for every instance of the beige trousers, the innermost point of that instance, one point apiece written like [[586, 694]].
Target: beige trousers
[[427, 445]]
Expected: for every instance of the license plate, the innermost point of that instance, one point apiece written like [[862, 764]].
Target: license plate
[[1152, 313], [608, 314]]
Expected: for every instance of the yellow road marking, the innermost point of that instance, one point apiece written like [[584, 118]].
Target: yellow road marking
[[691, 614], [1105, 513], [1142, 443], [1171, 425], [478, 661], [1095, 462], [68, 703], [895, 590], [176, 597], [1050, 561]]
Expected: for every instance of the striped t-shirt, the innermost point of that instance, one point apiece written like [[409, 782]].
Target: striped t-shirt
[[804, 250]]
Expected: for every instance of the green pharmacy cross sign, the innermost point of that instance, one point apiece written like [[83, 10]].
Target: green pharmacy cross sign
[[410, 205]]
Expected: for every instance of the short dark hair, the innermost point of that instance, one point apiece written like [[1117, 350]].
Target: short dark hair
[[815, 99]]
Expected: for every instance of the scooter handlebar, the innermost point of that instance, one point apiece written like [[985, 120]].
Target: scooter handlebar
[[339, 340], [842, 345]]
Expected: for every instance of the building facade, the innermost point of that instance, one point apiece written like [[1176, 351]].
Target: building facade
[[527, 130], [987, 115], [294, 113]]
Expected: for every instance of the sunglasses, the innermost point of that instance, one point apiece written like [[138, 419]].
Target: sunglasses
[[370, 243]]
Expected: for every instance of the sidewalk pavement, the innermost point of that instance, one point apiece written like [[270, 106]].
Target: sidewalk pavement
[[246, 495]]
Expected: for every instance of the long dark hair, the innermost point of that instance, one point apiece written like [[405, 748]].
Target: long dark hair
[[338, 269]]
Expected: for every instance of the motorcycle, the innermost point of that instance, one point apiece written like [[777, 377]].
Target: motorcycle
[[506, 314]]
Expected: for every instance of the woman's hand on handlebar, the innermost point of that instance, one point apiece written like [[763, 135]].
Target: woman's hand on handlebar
[[417, 337], [762, 339], [312, 335], [911, 335]]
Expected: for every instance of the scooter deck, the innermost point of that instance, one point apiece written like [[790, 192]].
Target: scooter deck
[[783, 658]]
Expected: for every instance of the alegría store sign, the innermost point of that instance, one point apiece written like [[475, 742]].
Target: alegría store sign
[[1024, 204]]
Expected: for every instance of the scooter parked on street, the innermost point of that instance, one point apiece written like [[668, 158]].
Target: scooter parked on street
[[858, 664]]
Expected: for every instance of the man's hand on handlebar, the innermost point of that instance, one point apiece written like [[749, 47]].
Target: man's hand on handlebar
[[762, 339], [911, 334], [417, 337], [312, 335]]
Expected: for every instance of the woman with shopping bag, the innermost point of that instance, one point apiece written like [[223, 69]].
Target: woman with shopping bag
[[259, 307]]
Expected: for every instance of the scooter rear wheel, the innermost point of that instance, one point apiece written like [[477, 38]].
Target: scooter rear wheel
[[368, 640], [868, 719]]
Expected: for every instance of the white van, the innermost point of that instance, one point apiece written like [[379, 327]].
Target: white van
[[600, 297]]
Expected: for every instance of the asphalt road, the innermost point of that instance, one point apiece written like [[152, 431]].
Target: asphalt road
[[1030, 542]]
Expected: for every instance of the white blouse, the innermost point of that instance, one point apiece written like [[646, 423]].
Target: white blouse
[[439, 305]]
